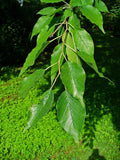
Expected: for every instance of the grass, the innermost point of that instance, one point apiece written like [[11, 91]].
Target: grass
[[100, 138]]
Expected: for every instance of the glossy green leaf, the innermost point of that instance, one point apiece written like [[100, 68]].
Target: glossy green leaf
[[101, 6], [54, 59], [29, 82], [75, 3], [73, 77], [85, 45], [39, 110], [71, 114], [72, 56], [40, 24], [41, 44], [93, 15], [51, 1]]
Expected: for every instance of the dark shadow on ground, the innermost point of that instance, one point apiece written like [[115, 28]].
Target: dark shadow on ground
[[96, 156], [101, 96]]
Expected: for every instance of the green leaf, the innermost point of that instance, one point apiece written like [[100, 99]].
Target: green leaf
[[67, 13], [47, 11], [40, 24], [74, 22], [73, 77], [85, 45], [39, 110], [93, 15], [54, 59], [29, 82], [75, 3], [41, 44], [72, 56], [51, 1], [71, 114], [101, 6]]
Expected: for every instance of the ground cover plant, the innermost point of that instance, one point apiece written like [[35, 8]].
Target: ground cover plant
[[100, 138], [74, 45]]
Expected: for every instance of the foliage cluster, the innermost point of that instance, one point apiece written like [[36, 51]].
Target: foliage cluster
[[74, 46]]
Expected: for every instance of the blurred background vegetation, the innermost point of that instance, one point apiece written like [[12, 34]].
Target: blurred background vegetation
[[16, 24]]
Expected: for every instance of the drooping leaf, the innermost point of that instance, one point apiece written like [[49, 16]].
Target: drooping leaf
[[41, 45], [40, 24], [54, 58], [71, 114], [72, 56], [39, 110], [75, 3], [73, 77], [85, 45], [29, 82], [51, 1], [93, 15], [101, 6]]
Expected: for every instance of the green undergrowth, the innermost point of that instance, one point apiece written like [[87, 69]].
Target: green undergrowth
[[99, 140]]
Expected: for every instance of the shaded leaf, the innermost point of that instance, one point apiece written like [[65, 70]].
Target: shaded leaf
[[71, 114], [73, 77], [29, 82], [54, 58], [39, 110], [74, 22], [93, 15], [72, 56]]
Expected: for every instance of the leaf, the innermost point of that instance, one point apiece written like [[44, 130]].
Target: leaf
[[85, 45], [39, 110], [41, 45], [54, 59], [93, 15], [72, 56], [47, 11], [51, 1], [74, 22], [71, 114], [73, 78], [29, 82], [67, 13], [101, 6], [40, 24], [75, 3]]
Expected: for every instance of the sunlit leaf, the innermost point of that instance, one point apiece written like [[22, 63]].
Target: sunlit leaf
[[93, 15], [39, 110], [40, 24], [71, 114], [73, 78], [101, 6], [29, 82], [75, 3]]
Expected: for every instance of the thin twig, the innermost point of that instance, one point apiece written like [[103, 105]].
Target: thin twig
[[50, 66]]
